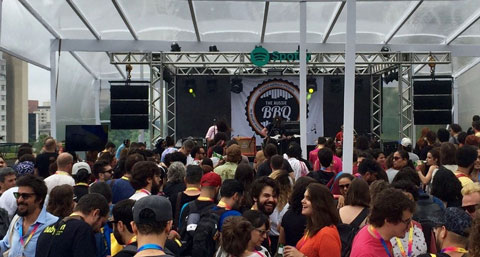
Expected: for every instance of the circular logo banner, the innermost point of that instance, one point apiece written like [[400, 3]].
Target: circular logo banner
[[260, 56], [272, 98]]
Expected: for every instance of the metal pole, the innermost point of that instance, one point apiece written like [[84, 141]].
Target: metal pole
[[53, 93], [455, 101], [303, 78], [96, 88], [141, 137], [349, 97]]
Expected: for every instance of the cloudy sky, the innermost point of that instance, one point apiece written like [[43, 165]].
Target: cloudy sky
[[38, 84]]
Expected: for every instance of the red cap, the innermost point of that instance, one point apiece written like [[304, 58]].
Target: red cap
[[211, 179]]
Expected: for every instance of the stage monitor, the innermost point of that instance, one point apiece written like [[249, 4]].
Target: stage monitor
[[292, 128], [86, 137]]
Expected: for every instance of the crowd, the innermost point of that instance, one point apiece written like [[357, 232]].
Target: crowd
[[211, 201]]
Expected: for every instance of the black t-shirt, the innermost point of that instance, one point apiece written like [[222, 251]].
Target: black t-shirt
[[79, 191], [69, 237], [43, 161], [264, 169], [173, 188], [294, 226], [201, 205], [183, 200], [275, 130]]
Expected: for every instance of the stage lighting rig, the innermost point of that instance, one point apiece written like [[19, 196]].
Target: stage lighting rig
[[175, 47], [236, 85], [190, 87], [213, 48], [311, 85]]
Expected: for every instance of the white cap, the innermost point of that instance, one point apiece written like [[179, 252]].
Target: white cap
[[80, 165], [406, 142]]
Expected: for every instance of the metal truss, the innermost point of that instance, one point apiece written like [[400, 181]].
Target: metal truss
[[405, 92], [173, 64], [376, 105]]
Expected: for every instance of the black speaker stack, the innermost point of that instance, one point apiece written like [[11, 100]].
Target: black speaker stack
[[129, 104], [432, 101]]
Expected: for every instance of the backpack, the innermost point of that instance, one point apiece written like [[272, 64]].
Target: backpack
[[189, 226], [348, 231]]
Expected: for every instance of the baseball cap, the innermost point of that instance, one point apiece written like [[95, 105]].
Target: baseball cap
[[406, 142], [455, 220], [211, 179], [80, 165], [159, 205]]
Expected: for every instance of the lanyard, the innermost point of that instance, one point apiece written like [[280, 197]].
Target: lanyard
[[205, 199], [133, 239], [410, 244], [24, 243], [192, 189], [223, 204], [260, 254], [59, 172], [82, 184], [145, 191], [150, 246], [454, 249], [125, 178], [384, 244]]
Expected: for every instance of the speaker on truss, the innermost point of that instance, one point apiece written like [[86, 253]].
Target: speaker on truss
[[432, 101], [128, 106]]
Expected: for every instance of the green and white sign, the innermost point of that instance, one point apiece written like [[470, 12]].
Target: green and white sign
[[260, 56]]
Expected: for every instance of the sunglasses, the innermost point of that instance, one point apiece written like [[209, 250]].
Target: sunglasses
[[109, 171], [470, 208], [25, 196], [344, 186]]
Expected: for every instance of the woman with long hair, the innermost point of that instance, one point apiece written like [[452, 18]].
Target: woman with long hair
[[422, 141], [259, 234], [433, 161], [357, 201], [285, 185], [321, 237], [60, 201]]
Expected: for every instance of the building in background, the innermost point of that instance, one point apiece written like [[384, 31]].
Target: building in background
[[3, 99], [43, 114], [38, 119]]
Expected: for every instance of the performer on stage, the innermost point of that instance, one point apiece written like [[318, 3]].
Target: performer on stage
[[219, 126], [276, 127]]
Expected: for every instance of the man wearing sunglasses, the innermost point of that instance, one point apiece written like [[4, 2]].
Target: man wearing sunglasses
[[31, 219], [471, 198]]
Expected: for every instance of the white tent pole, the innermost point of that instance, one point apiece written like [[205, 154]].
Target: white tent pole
[[349, 96], [53, 94], [303, 79], [97, 87], [455, 100]]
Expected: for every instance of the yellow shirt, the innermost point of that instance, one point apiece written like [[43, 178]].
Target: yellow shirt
[[463, 179]]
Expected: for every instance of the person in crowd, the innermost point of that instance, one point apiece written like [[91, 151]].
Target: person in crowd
[[265, 192], [447, 156], [321, 237], [454, 130], [8, 177], [265, 169], [193, 177], [25, 166], [470, 129], [379, 157], [376, 187], [406, 145], [451, 233], [471, 198], [81, 173], [110, 159], [170, 144], [122, 188], [312, 155], [102, 237], [462, 136], [431, 139], [344, 182], [294, 223], [245, 175], [219, 140], [175, 179], [198, 153], [74, 235], [433, 161], [30, 220], [227, 170], [125, 145], [357, 201], [390, 217], [371, 171], [474, 246], [400, 160], [186, 149], [60, 201], [231, 193], [63, 174], [145, 179], [235, 238], [293, 153], [220, 126], [443, 135], [447, 188], [466, 157], [109, 148], [259, 159], [323, 175], [102, 171], [422, 141], [414, 239], [285, 189], [3, 163], [476, 128], [475, 173], [259, 233], [47, 157], [210, 186], [122, 216]]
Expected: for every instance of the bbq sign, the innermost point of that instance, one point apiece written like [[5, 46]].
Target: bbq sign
[[272, 98]]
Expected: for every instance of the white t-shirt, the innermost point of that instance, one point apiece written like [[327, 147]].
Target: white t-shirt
[[211, 132], [8, 201], [139, 195], [276, 220], [58, 180]]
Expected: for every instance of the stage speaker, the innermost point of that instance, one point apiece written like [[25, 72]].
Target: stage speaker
[[129, 107], [432, 102]]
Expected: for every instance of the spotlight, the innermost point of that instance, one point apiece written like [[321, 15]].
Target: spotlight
[[213, 48], [211, 85], [236, 85], [175, 47], [311, 85], [190, 87]]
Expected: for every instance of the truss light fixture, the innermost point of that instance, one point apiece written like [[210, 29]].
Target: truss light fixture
[[190, 87], [311, 85], [385, 49], [175, 47], [213, 48], [236, 85]]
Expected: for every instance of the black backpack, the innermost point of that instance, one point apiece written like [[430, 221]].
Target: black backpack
[[190, 225], [348, 231]]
